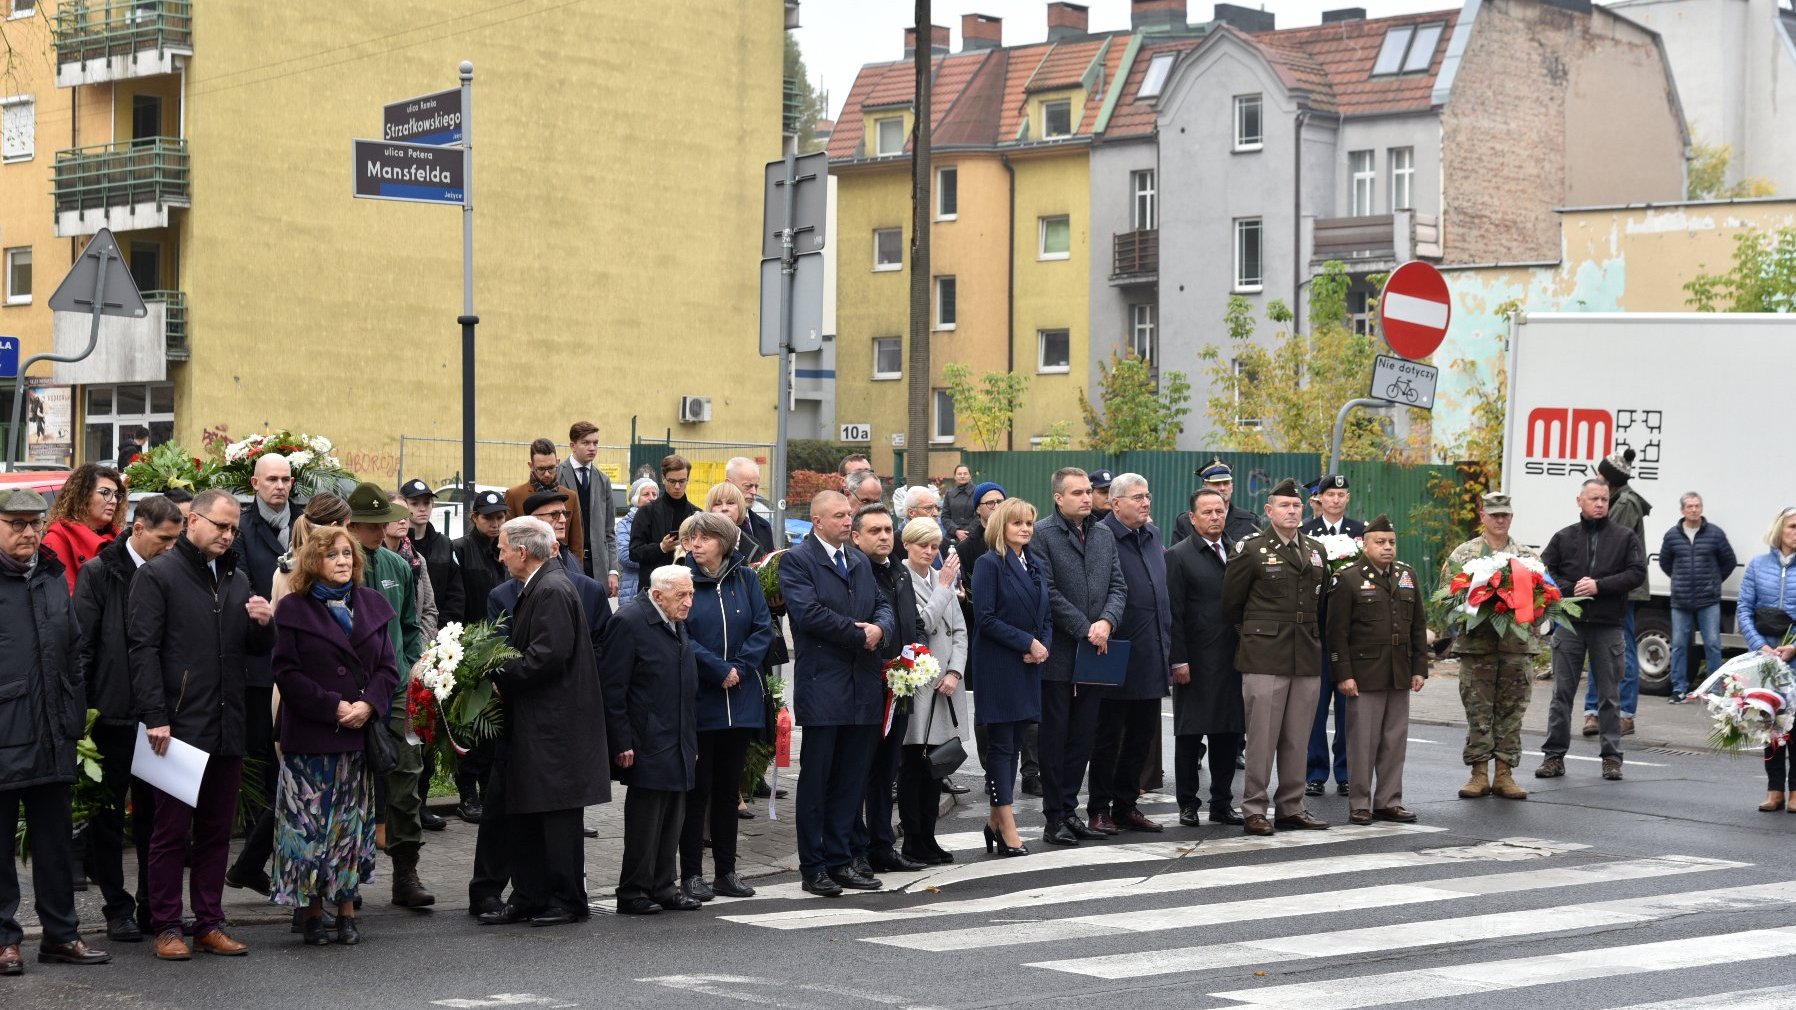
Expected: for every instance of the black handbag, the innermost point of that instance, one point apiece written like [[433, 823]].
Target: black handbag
[[1771, 623], [944, 758]]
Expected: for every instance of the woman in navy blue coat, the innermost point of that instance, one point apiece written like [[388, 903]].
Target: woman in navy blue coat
[[1011, 635]]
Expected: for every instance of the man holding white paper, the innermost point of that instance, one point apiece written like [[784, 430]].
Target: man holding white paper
[[193, 625]]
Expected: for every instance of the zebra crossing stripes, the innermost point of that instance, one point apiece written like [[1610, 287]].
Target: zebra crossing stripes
[[1777, 997]]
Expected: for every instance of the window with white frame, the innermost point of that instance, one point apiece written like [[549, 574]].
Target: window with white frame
[[1364, 171], [1057, 118], [114, 413], [1145, 211], [889, 135], [947, 194], [1248, 262], [22, 8], [1053, 351], [945, 292], [1249, 132], [1154, 80], [1403, 178], [888, 358], [18, 128], [942, 426], [1141, 330], [888, 249], [18, 276], [1056, 238]]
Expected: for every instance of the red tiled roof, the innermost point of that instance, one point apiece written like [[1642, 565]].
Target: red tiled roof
[[1301, 73], [893, 85], [1134, 115], [1343, 54], [973, 120]]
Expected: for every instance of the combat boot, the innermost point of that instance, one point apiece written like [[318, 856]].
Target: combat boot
[[408, 890], [1505, 786], [1480, 783]]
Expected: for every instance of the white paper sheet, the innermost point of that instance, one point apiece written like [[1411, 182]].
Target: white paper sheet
[[177, 773]]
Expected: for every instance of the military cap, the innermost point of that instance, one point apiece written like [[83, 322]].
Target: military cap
[[1215, 472], [488, 502], [541, 498], [1286, 488], [415, 488], [1100, 479], [1331, 482], [1382, 524], [1496, 503], [369, 504], [22, 499]]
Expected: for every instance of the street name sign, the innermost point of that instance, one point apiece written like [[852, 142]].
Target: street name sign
[[428, 119], [417, 173], [1414, 310], [1404, 382]]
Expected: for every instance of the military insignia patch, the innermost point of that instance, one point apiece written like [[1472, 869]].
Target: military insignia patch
[[1315, 558], [1406, 581]]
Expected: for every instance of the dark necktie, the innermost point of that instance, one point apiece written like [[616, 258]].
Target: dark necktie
[[1221, 554], [585, 481], [842, 562]]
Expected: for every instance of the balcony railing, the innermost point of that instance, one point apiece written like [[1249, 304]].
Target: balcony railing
[[122, 181], [1376, 239], [1135, 255], [108, 40], [174, 321]]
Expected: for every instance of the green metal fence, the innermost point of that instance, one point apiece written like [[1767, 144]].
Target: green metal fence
[[144, 170], [174, 321], [101, 29]]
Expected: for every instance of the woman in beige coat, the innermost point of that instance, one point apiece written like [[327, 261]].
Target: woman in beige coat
[[939, 713]]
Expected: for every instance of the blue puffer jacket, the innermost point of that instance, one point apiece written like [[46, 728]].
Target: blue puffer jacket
[[627, 570], [1770, 581], [1697, 569], [730, 627]]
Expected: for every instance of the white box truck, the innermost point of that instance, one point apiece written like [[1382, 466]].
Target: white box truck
[[1695, 395]]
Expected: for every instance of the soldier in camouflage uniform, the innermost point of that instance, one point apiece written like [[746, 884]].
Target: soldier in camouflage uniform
[[1494, 669]]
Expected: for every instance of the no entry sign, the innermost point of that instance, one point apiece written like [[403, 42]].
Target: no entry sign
[[1414, 309]]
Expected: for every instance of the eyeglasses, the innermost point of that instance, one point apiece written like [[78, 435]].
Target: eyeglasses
[[991, 503], [228, 529], [550, 469], [1139, 496], [558, 514], [21, 525], [108, 493], [928, 510]]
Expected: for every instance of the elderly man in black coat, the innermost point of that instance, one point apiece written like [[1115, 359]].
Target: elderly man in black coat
[[649, 662], [555, 729], [1206, 687]]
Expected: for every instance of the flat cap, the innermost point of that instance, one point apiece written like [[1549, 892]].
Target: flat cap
[[22, 499], [541, 498]]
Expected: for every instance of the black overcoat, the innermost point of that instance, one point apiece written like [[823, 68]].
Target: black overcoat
[[652, 677], [554, 712], [1203, 637]]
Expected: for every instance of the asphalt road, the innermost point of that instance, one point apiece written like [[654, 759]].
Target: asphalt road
[[1591, 894]]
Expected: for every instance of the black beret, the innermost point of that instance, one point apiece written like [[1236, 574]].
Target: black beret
[[541, 498]]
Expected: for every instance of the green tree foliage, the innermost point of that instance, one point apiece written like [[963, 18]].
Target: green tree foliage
[[1058, 437], [812, 105], [985, 408], [1708, 175], [1283, 397], [1137, 412], [1762, 279]]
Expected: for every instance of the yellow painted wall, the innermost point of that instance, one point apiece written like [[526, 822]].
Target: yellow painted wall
[[1052, 294], [1664, 247], [165, 86], [618, 174]]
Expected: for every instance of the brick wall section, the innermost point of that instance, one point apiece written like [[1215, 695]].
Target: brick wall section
[[1551, 108]]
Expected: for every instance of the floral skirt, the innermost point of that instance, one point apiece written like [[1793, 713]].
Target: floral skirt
[[324, 829]]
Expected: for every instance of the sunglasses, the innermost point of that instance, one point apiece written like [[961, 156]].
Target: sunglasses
[[229, 529]]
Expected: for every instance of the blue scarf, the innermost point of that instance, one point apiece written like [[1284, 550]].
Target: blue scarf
[[336, 604]]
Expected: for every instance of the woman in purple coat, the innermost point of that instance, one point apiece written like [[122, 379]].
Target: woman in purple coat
[[333, 660]]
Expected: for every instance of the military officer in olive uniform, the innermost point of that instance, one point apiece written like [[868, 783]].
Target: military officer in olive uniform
[[1269, 592], [1378, 651]]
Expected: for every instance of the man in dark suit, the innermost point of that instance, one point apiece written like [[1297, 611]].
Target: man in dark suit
[[1206, 687], [1240, 523], [264, 532], [1331, 496], [839, 618], [653, 676], [873, 842], [592, 490], [1086, 594], [545, 469]]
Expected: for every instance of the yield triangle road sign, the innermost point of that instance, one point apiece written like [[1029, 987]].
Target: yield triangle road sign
[[119, 297]]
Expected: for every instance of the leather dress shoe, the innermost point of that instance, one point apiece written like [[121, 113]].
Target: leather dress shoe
[[821, 884], [894, 862], [1082, 830], [637, 906], [848, 877], [254, 880], [1135, 820], [1031, 785], [1399, 814], [470, 811], [731, 885], [954, 788], [1226, 815], [124, 930], [1302, 820], [1360, 817], [76, 951], [430, 820], [172, 946], [589, 831], [1102, 824], [1256, 824], [861, 866], [561, 917], [10, 961], [696, 889], [1313, 788], [506, 915], [485, 906], [762, 791], [681, 903], [1059, 834], [1191, 817], [1340, 788], [216, 941]]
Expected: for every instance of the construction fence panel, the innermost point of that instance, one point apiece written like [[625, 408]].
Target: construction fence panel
[[438, 461]]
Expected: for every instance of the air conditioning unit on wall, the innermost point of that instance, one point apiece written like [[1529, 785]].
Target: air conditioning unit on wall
[[694, 409]]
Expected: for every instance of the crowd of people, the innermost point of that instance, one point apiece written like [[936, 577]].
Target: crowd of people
[[279, 639]]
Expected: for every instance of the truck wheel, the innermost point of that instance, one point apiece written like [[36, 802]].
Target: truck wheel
[[1652, 644]]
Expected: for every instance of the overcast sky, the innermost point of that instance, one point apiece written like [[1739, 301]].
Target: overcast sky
[[838, 36]]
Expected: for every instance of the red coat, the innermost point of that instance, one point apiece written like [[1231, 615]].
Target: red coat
[[74, 544]]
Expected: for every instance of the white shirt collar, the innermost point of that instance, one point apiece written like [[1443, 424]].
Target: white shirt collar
[[827, 549], [137, 560], [532, 576]]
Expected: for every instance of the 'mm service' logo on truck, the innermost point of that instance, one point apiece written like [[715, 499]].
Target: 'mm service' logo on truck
[[1569, 441]]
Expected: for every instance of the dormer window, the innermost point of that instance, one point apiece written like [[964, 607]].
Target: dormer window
[[889, 135], [1407, 49], [1057, 118]]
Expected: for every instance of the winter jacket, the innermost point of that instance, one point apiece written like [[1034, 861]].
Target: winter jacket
[[1697, 569], [1629, 510], [555, 714], [650, 682], [392, 576], [1085, 585], [654, 521], [190, 645], [259, 553], [730, 628], [75, 544], [627, 568], [102, 592], [316, 666], [959, 508], [1770, 581], [481, 573], [1608, 553], [439, 556], [43, 710]]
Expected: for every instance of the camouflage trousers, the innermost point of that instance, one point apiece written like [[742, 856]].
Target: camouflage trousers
[[1495, 690]]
